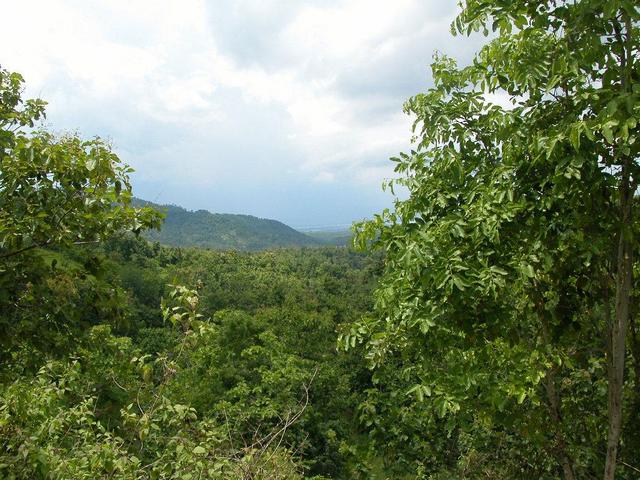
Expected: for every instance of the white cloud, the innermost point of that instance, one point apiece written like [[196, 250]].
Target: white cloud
[[198, 91]]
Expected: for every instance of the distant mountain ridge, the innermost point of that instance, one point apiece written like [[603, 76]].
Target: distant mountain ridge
[[223, 231]]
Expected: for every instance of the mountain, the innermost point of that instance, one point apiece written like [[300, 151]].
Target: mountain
[[223, 231]]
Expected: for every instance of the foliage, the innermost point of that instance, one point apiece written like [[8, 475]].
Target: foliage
[[274, 328], [54, 192], [54, 426], [262, 388], [57, 191], [494, 343]]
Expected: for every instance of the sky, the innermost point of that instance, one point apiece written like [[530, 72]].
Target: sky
[[281, 109]]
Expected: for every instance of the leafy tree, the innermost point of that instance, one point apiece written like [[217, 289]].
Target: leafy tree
[[54, 192], [57, 191], [507, 287]]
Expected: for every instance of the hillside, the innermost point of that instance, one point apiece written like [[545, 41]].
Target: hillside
[[223, 231]]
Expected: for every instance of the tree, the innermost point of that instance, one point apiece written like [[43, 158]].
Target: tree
[[516, 240], [57, 191], [54, 192]]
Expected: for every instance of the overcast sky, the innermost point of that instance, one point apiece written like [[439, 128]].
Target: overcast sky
[[281, 109]]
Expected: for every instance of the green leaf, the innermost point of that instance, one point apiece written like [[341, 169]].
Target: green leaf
[[528, 271], [574, 135], [608, 134], [458, 282], [199, 450]]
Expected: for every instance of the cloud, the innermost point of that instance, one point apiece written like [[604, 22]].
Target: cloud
[[238, 105]]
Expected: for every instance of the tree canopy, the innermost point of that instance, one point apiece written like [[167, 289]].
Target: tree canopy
[[55, 192], [507, 292]]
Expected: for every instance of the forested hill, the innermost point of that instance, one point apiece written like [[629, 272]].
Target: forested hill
[[223, 231]]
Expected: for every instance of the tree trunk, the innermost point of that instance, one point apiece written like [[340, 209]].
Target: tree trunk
[[631, 432], [554, 409], [554, 404], [624, 271], [618, 328]]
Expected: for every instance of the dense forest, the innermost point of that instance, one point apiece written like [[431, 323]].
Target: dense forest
[[261, 371], [484, 327]]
